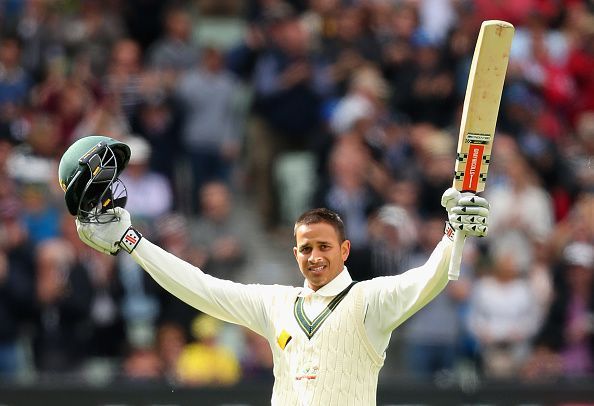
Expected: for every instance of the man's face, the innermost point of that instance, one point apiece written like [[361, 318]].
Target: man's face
[[319, 253]]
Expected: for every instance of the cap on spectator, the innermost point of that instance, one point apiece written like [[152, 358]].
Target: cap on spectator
[[397, 217], [205, 327], [348, 112], [579, 254], [140, 149]]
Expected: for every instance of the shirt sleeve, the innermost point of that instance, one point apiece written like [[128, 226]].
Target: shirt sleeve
[[226, 300], [391, 300]]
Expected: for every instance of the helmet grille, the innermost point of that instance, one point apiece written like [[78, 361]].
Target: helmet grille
[[102, 189]]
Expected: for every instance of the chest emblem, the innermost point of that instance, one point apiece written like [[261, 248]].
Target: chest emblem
[[283, 339]]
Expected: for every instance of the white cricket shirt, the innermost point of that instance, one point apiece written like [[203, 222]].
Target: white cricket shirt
[[329, 345]]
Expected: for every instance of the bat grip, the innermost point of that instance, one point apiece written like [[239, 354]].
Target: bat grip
[[456, 258]]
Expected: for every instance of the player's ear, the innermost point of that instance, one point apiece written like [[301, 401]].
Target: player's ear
[[295, 252], [345, 249]]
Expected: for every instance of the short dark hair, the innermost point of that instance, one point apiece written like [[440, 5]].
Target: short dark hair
[[322, 215]]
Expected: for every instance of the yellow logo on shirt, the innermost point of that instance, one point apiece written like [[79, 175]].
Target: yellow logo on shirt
[[283, 339]]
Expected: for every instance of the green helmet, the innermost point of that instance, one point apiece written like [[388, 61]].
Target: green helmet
[[88, 174]]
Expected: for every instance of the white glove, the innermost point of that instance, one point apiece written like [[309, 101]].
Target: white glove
[[468, 213], [109, 237]]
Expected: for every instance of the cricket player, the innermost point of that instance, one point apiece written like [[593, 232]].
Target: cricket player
[[328, 337]]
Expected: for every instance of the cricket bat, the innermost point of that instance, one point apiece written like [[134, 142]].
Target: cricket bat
[[479, 117]]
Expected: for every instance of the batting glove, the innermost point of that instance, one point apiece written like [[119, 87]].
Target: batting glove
[[110, 237], [468, 213]]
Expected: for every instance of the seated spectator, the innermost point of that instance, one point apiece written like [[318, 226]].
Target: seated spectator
[[519, 191], [205, 362], [217, 232], [40, 215], [63, 300], [210, 130], [149, 193], [174, 52], [17, 287], [158, 121], [393, 239], [173, 234], [142, 365], [565, 344], [433, 337], [124, 77], [350, 194], [107, 328], [171, 340], [14, 81], [256, 360], [503, 316]]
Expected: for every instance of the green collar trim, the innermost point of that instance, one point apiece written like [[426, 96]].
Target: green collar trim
[[310, 327]]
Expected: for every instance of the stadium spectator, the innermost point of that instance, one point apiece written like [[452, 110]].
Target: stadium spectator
[[217, 232], [148, 192], [17, 286], [503, 316], [350, 194], [171, 339], [278, 63], [173, 233], [174, 52], [210, 134], [565, 345], [15, 82], [158, 120], [432, 339], [204, 362], [393, 238], [63, 304]]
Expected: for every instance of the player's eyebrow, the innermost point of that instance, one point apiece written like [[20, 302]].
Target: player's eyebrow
[[309, 243]]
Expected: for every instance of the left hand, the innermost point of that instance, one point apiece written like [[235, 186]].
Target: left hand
[[468, 213]]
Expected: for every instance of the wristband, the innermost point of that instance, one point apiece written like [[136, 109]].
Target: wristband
[[130, 240], [449, 231]]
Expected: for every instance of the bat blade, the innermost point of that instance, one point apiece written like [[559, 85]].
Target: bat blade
[[479, 116]]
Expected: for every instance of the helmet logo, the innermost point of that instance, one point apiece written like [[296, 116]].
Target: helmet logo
[[85, 158]]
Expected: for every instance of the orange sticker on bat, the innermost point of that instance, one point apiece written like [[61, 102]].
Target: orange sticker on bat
[[473, 167]]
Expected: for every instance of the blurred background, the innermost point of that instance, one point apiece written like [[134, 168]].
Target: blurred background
[[242, 114]]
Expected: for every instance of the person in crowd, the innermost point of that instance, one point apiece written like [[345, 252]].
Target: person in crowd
[[503, 315], [565, 344], [210, 134]]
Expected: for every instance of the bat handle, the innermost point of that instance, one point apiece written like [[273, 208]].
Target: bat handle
[[456, 258]]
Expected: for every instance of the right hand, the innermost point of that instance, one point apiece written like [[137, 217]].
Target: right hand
[[105, 237]]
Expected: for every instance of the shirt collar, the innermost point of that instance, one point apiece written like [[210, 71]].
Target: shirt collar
[[332, 288]]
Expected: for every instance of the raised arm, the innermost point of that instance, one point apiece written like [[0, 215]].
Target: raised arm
[[229, 301], [393, 299]]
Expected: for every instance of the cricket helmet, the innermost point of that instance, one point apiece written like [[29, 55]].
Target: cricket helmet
[[88, 174]]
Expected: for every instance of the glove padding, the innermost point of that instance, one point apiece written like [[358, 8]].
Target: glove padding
[[105, 237], [468, 213]]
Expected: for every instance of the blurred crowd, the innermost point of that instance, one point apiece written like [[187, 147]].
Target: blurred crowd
[[285, 105]]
